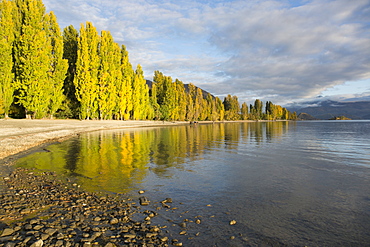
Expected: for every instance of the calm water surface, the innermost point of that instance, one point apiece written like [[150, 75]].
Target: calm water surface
[[285, 183]]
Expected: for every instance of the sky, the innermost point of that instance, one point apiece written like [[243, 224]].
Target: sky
[[282, 51]]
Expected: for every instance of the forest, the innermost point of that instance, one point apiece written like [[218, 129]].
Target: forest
[[83, 74]]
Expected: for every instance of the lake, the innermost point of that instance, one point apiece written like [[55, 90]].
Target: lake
[[284, 183]]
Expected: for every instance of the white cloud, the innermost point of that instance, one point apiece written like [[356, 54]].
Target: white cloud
[[252, 49]]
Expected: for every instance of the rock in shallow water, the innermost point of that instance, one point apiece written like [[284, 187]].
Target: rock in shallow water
[[61, 214], [144, 201]]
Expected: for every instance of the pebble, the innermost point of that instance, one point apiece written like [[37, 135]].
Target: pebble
[[7, 232], [144, 201], [182, 224], [38, 243], [110, 245], [50, 231], [114, 221], [233, 222], [46, 211]]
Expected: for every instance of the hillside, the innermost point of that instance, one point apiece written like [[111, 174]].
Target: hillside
[[329, 109], [305, 116]]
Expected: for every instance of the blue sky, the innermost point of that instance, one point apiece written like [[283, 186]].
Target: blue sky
[[282, 51]]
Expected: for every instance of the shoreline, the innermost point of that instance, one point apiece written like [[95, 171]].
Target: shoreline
[[20, 135], [43, 209]]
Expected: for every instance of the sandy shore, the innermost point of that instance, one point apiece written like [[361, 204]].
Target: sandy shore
[[18, 135]]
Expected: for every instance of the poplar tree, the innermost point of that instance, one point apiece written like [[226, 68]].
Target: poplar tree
[[70, 44], [87, 68], [232, 107], [212, 110], [108, 75], [181, 99], [167, 96], [154, 111], [140, 96], [189, 107], [244, 111], [6, 56], [32, 61], [205, 110], [170, 98], [198, 104], [258, 105], [58, 65], [220, 109], [192, 109], [124, 87]]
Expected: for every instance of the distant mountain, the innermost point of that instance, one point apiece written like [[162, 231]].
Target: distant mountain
[[329, 109], [305, 116]]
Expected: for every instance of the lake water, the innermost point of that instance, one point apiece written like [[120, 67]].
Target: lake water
[[284, 183]]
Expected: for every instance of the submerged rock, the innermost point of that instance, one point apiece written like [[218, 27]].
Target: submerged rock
[[59, 214], [144, 201]]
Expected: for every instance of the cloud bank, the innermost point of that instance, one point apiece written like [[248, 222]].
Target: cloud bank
[[273, 50]]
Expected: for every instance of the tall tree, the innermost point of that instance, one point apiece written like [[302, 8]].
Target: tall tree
[[166, 96], [220, 109], [244, 111], [58, 65], [190, 105], [198, 103], [154, 112], [32, 61], [258, 105], [124, 87], [212, 109], [232, 107], [140, 96], [181, 100], [70, 44], [109, 74], [87, 68], [6, 56]]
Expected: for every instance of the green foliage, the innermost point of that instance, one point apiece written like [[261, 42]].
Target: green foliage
[[70, 46], [7, 26], [140, 100], [124, 87], [198, 103], [181, 100], [232, 108], [58, 65], [166, 96], [33, 58], [244, 111], [109, 74], [220, 109], [87, 69]]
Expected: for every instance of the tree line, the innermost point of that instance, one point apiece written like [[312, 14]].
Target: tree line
[[46, 73]]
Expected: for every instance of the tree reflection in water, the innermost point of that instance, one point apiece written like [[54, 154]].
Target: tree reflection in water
[[119, 160]]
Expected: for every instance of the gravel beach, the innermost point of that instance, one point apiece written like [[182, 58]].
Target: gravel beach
[[40, 209]]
